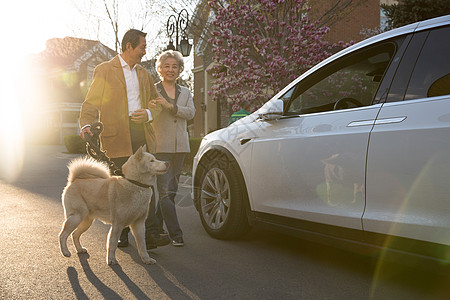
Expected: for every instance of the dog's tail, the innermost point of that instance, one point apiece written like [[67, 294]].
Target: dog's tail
[[86, 167]]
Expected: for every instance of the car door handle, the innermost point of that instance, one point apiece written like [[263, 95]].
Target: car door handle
[[361, 123], [376, 122], [389, 120]]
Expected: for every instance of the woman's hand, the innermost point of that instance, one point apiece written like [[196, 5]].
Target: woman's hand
[[163, 102], [151, 104]]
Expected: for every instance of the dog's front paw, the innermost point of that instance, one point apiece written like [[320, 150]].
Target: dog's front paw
[[82, 250], [66, 253], [148, 261]]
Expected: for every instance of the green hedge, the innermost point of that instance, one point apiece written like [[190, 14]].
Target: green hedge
[[74, 144]]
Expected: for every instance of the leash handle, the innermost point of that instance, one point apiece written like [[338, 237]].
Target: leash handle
[[93, 148]]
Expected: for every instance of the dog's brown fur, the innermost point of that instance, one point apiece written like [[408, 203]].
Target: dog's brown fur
[[91, 193]]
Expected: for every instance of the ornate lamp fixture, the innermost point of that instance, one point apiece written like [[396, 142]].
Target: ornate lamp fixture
[[178, 25]]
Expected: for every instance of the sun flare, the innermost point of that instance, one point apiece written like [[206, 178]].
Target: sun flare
[[11, 136]]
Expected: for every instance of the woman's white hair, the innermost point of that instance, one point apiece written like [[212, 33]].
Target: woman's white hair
[[165, 55]]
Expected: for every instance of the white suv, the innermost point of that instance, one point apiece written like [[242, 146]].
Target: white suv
[[355, 151]]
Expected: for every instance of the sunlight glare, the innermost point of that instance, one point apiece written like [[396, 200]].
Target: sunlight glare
[[13, 83], [11, 136]]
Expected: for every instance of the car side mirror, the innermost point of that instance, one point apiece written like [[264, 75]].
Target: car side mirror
[[272, 110]]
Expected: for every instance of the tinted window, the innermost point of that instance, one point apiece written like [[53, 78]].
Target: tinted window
[[407, 62], [431, 75], [356, 77]]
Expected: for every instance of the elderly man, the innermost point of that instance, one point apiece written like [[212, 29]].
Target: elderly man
[[121, 91]]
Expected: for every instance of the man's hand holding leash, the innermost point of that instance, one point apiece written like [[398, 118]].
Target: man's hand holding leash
[[86, 130]]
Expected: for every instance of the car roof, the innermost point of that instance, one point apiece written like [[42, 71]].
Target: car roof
[[422, 25]]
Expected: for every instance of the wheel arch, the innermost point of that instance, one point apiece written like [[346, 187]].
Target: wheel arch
[[210, 154]]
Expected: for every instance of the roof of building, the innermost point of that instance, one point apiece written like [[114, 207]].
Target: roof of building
[[68, 51]]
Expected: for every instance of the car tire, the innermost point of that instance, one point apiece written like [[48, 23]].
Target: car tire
[[222, 199]]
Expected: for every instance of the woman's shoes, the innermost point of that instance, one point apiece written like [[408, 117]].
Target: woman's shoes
[[178, 242], [123, 240]]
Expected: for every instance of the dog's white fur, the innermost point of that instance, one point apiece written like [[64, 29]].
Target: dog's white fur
[[91, 193]]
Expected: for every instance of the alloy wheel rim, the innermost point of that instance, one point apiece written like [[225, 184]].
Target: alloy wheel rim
[[215, 198]]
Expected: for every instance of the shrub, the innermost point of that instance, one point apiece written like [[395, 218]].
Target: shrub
[[74, 144]]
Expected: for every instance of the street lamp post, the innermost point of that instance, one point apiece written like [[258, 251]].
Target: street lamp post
[[178, 25]]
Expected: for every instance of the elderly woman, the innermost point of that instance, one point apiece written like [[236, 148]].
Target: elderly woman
[[172, 140]]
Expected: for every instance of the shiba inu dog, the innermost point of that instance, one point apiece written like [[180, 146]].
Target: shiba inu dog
[[92, 193]]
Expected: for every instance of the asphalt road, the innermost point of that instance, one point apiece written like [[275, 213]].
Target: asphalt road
[[262, 265]]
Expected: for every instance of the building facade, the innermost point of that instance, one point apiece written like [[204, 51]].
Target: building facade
[[63, 72]]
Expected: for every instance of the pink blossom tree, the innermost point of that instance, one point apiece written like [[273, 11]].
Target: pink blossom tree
[[260, 46]]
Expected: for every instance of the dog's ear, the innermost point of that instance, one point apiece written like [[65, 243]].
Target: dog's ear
[[144, 148], [138, 154]]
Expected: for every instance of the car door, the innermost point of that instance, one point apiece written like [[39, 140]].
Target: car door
[[310, 164], [408, 169]]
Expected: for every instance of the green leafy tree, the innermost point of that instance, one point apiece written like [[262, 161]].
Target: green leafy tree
[[411, 11]]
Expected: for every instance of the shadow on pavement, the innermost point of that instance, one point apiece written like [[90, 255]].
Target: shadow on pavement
[[134, 289], [106, 292], [72, 274], [165, 280]]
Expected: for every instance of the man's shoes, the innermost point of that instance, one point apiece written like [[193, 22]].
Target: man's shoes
[[162, 240], [123, 239], [178, 242], [122, 243], [163, 232], [150, 243], [153, 241]]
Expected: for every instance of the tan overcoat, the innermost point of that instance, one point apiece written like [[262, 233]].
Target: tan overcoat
[[107, 102]]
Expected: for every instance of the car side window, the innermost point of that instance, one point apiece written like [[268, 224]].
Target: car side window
[[431, 75], [352, 80]]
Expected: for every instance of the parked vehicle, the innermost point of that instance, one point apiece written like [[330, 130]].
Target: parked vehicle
[[356, 151]]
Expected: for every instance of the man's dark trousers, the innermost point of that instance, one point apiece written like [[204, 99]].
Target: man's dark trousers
[[138, 140]]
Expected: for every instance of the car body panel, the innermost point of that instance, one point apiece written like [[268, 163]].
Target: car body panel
[[408, 171], [311, 167]]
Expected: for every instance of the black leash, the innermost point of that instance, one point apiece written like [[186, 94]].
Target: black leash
[[94, 151]]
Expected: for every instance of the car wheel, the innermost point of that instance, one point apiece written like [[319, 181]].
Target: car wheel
[[222, 200]]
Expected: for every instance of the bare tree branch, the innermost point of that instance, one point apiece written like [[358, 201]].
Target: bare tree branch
[[114, 22]]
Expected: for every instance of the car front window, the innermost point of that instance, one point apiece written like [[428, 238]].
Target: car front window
[[357, 77]]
